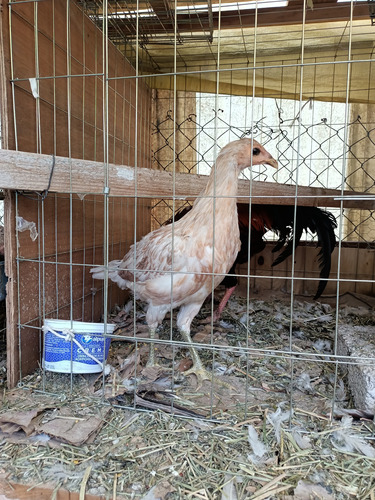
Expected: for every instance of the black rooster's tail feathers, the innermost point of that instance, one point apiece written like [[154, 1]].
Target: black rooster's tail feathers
[[319, 222], [280, 220]]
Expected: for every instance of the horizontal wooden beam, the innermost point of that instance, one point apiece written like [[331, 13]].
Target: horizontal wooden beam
[[32, 172]]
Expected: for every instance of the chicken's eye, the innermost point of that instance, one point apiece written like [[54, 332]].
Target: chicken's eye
[[256, 151]]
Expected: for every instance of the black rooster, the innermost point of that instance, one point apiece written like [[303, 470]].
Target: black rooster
[[280, 220]]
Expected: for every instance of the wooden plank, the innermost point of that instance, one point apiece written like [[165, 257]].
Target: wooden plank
[[7, 138], [9, 490], [356, 264], [348, 270], [31, 172], [83, 134], [365, 270], [47, 287]]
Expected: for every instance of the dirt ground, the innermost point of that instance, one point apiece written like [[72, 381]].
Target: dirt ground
[[276, 420]]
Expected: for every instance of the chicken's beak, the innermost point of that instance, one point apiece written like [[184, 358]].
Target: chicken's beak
[[272, 162]]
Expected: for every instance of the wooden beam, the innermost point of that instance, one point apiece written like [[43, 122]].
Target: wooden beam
[[31, 172], [10, 244], [164, 12]]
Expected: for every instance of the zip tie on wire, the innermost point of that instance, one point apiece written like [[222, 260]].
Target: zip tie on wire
[[43, 195], [69, 336]]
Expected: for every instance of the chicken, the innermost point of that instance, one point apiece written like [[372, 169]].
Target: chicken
[[280, 220], [180, 264]]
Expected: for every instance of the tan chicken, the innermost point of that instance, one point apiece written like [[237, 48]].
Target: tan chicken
[[180, 264]]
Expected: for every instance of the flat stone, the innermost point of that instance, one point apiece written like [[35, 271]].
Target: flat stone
[[358, 342]]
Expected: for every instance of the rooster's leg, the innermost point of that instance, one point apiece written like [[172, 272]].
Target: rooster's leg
[[223, 302]]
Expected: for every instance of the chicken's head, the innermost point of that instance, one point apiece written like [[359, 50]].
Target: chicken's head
[[249, 152]]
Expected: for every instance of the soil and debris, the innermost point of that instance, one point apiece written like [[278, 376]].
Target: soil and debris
[[277, 421]]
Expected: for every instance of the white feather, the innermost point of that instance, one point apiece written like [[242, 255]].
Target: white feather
[[322, 345], [302, 441], [229, 491], [303, 383], [276, 419], [258, 447], [345, 440]]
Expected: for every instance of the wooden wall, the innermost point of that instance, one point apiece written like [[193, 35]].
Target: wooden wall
[[357, 266], [76, 113], [68, 117]]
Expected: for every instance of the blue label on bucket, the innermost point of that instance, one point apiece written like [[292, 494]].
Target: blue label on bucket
[[57, 349], [86, 339]]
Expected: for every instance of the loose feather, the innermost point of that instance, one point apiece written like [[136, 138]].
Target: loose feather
[[258, 447], [345, 440], [276, 419]]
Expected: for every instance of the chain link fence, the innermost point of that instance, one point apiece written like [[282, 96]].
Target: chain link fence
[[319, 155]]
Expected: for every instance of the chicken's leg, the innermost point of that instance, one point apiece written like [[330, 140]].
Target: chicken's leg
[[154, 316], [223, 302], [185, 316], [197, 369], [151, 357]]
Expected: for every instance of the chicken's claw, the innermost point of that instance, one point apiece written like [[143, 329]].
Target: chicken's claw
[[201, 373]]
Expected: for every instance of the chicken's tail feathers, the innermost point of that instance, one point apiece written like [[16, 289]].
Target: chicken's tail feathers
[[325, 230], [321, 223], [287, 238], [98, 272], [181, 212]]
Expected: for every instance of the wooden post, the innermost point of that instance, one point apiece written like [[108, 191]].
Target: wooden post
[[8, 142]]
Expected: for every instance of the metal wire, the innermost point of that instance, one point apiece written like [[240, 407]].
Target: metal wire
[[286, 135], [349, 69]]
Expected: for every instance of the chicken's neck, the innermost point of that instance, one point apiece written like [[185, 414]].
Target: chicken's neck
[[221, 189]]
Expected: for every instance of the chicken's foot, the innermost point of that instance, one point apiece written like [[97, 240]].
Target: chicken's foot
[[202, 374], [198, 369]]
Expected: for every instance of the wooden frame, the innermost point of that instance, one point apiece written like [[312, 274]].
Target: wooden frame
[[357, 270]]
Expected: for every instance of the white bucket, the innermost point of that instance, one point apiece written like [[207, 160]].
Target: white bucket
[[63, 355]]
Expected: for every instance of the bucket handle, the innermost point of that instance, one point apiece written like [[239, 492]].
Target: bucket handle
[[69, 335]]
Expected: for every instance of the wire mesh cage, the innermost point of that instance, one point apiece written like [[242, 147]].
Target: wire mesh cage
[[114, 116]]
